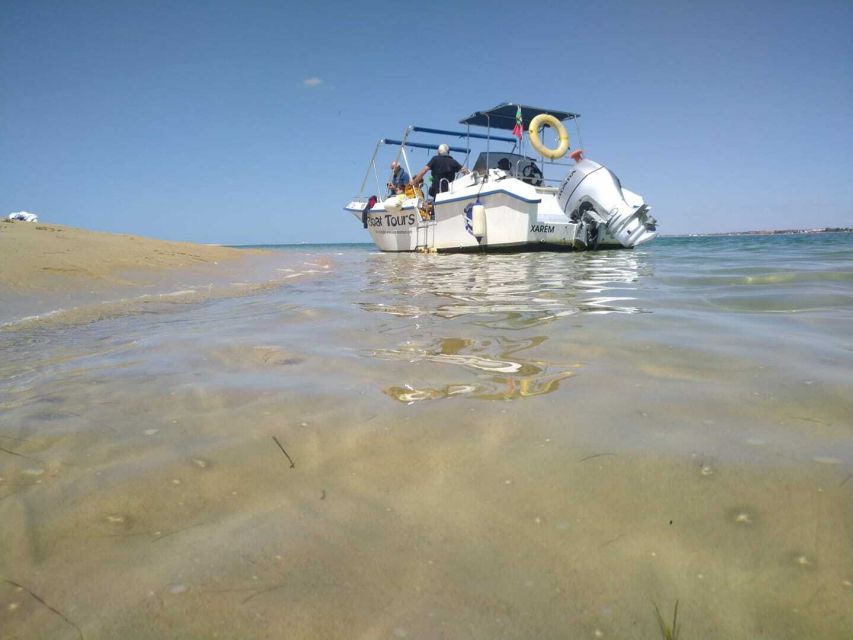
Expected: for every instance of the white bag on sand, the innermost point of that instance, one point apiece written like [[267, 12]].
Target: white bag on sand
[[26, 216]]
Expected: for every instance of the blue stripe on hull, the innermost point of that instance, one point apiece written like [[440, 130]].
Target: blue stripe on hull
[[490, 193]]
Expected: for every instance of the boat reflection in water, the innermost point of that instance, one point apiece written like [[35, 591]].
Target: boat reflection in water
[[488, 316]]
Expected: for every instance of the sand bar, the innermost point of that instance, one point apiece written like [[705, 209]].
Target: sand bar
[[37, 257], [58, 274]]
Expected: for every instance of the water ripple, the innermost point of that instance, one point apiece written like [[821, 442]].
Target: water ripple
[[508, 291]]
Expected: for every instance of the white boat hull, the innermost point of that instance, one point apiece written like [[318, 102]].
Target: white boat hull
[[590, 210]]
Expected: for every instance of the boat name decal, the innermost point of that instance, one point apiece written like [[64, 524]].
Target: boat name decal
[[542, 228], [391, 221]]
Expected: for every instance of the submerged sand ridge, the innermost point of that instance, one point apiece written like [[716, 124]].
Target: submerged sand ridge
[[53, 275]]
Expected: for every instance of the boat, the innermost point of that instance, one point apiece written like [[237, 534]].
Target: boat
[[510, 198]]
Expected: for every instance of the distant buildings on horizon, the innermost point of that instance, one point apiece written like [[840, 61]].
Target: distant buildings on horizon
[[772, 232]]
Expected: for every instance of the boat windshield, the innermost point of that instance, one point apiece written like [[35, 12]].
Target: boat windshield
[[516, 165]]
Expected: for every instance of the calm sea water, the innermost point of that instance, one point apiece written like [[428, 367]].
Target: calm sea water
[[390, 446]]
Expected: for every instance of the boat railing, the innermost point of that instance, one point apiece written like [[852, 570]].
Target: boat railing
[[402, 144]]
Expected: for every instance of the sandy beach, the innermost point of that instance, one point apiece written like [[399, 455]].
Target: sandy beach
[[45, 257], [60, 275]]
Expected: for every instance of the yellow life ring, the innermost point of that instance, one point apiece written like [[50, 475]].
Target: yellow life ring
[[535, 140]]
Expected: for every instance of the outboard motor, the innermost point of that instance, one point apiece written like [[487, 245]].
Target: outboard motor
[[592, 196], [590, 227]]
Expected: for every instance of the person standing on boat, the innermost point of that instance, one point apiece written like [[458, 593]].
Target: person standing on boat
[[444, 169], [399, 179]]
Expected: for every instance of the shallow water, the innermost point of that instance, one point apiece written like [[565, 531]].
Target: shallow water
[[535, 445]]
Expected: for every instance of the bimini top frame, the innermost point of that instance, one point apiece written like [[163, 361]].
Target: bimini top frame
[[405, 142], [501, 117], [402, 144]]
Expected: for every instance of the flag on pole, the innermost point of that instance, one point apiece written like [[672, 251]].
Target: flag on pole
[[517, 129]]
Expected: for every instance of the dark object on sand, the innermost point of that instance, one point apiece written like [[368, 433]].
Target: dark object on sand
[[292, 463]]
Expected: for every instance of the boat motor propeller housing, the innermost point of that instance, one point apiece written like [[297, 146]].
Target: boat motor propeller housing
[[593, 196]]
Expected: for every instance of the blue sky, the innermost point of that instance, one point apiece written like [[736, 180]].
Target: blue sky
[[253, 122]]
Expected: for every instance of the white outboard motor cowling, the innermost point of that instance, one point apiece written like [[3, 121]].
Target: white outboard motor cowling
[[592, 196]]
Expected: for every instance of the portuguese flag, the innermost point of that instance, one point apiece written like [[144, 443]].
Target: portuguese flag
[[517, 129]]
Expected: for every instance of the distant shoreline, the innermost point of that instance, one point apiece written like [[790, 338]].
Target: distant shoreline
[[767, 232]]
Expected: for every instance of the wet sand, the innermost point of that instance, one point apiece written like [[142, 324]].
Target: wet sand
[[54, 274], [508, 447], [539, 518]]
